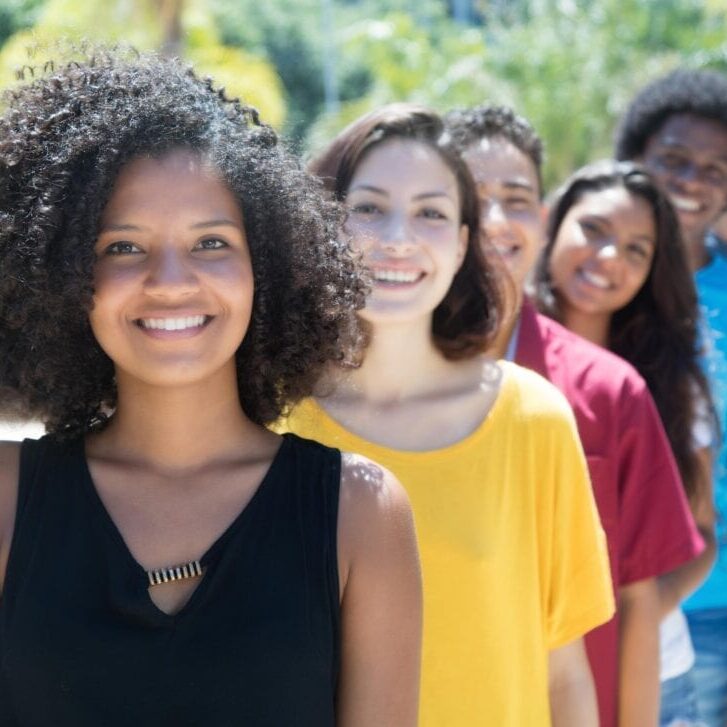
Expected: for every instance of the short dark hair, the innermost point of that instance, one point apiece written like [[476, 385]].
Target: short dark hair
[[466, 320], [684, 91], [468, 126], [657, 330], [64, 137]]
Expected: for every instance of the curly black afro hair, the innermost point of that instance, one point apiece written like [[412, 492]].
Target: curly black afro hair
[[684, 91], [63, 138], [469, 126]]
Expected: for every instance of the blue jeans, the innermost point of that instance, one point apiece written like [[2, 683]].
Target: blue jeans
[[708, 628], [679, 702]]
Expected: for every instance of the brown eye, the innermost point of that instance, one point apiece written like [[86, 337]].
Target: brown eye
[[211, 243], [123, 247]]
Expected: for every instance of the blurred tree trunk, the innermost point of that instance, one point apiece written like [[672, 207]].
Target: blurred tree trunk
[[170, 17]]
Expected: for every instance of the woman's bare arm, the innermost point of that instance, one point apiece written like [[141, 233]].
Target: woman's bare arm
[[639, 654], [571, 689], [381, 600], [9, 465], [674, 587]]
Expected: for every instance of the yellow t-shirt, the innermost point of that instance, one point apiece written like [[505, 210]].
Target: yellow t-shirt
[[513, 555]]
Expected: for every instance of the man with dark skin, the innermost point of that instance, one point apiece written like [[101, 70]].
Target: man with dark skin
[[677, 127]]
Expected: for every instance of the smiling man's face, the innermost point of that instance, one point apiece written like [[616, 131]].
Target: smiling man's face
[[688, 155]]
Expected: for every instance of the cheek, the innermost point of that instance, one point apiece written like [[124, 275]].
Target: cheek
[[563, 259]]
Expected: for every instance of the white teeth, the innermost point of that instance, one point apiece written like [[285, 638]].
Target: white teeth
[[683, 203], [597, 280], [172, 324], [396, 276]]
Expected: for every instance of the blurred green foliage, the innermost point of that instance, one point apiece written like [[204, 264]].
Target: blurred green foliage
[[16, 15], [570, 66], [61, 28]]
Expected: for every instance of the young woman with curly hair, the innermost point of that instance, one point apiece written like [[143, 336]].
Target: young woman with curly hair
[[171, 282], [513, 557], [615, 271]]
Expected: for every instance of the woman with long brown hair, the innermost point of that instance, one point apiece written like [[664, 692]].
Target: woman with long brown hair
[[615, 271]]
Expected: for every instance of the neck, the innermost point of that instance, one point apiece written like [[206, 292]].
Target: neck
[[401, 361], [697, 254], [174, 428], [591, 326], [505, 331]]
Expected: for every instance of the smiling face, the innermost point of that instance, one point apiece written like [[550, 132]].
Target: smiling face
[[603, 252], [173, 278], [509, 193], [404, 215], [688, 155]]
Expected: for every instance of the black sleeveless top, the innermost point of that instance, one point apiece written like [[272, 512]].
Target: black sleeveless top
[[257, 644]]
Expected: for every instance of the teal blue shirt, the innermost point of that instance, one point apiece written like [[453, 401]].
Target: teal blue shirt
[[711, 284]]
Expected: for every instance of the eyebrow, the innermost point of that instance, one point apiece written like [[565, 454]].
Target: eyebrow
[[518, 184], [384, 193], [674, 144], [124, 227], [606, 221], [511, 184]]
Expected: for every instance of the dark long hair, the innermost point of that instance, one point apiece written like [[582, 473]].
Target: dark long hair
[[657, 330], [465, 322]]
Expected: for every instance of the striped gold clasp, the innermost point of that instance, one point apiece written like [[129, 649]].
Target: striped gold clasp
[[175, 573]]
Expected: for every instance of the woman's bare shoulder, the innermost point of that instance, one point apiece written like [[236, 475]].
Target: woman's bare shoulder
[[375, 517], [370, 490]]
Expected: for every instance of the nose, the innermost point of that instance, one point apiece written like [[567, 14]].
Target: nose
[[171, 274], [607, 252], [492, 216], [688, 174], [398, 238]]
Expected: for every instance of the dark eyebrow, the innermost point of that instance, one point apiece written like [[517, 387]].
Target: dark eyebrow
[[518, 184], [599, 218], [111, 227], [384, 193], [674, 144], [368, 188], [222, 222], [429, 195]]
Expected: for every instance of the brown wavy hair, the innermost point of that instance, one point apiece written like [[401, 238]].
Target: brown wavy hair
[[465, 322], [64, 136], [657, 330]]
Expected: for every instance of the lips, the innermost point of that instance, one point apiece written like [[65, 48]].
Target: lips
[[686, 204], [173, 327], [594, 279], [391, 276], [173, 324]]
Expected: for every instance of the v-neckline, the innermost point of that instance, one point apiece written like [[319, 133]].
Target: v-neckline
[[206, 559]]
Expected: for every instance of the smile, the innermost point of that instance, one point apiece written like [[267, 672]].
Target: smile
[[397, 276], [173, 324], [685, 204], [594, 279]]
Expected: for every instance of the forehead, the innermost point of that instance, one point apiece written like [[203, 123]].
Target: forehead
[[498, 161], [395, 161], [177, 180], [695, 133], [615, 203]]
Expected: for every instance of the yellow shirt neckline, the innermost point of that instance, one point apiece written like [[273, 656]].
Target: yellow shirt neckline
[[355, 442]]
